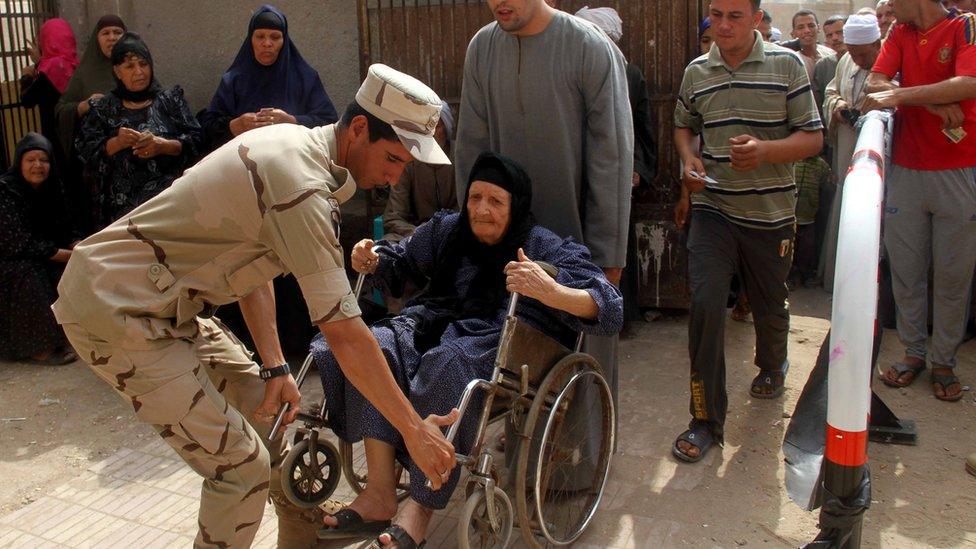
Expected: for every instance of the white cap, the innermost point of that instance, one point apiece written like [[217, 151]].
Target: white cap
[[406, 104], [861, 29], [606, 18]]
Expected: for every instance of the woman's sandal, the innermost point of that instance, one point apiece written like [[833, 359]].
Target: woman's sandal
[[901, 369], [944, 381], [699, 436], [350, 524], [774, 382], [399, 537]]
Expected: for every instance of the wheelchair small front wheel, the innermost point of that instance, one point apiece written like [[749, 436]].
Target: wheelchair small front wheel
[[309, 479], [475, 530]]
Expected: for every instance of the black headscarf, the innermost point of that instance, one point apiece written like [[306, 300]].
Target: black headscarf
[[31, 142], [266, 18], [45, 203], [109, 20], [283, 84], [486, 294], [131, 44]]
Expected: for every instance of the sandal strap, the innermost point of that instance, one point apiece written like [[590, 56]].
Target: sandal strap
[[945, 380], [400, 537], [698, 435], [901, 368], [346, 517]]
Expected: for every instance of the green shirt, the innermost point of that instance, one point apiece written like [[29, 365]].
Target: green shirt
[[811, 174], [768, 97]]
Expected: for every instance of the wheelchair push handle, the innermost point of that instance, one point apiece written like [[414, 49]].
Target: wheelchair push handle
[[303, 372]]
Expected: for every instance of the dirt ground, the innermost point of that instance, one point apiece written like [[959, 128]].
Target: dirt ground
[[57, 422]]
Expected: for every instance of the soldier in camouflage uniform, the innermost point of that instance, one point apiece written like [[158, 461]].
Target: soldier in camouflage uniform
[[136, 300]]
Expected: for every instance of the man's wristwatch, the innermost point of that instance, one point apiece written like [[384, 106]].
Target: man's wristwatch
[[268, 373]]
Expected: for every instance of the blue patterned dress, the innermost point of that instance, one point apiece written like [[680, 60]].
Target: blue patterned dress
[[434, 381]]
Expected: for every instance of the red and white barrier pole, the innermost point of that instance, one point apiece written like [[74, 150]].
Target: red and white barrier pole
[[853, 324]]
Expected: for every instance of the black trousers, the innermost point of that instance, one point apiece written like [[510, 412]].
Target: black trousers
[[717, 249]]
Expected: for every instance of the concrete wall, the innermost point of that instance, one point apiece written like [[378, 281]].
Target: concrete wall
[[194, 41]]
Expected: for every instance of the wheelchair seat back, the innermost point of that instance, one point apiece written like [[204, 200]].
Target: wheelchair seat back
[[522, 344]]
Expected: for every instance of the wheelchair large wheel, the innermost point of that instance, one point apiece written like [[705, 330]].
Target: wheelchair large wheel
[[309, 479], [474, 525], [564, 458], [354, 469]]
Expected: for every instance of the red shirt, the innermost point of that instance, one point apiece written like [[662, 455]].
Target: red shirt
[[945, 50]]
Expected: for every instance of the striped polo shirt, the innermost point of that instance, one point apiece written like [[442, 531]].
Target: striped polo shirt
[[768, 97]]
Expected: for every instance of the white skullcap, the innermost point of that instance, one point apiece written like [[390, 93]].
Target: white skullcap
[[607, 19], [775, 34], [861, 29], [881, 3]]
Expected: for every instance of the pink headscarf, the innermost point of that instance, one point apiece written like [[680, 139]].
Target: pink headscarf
[[59, 56]]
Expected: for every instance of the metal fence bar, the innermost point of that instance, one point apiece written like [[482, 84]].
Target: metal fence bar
[[20, 20]]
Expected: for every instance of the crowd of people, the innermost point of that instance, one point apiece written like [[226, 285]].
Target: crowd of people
[[151, 216], [914, 57]]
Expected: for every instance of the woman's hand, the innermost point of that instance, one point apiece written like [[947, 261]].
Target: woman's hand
[[85, 106], [274, 116], [527, 278], [30, 71], [246, 122], [147, 146], [127, 137], [364, 260], [124, 139], [33, 52]]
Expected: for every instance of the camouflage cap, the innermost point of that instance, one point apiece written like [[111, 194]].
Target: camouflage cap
[[409, 106]]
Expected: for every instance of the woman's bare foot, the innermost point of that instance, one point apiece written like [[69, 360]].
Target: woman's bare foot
[[371, 504], [414, 519]]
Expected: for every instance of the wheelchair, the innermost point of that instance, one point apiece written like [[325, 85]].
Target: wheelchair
[[560, 423]]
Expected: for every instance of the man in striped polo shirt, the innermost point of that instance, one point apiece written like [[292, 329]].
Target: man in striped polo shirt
[[752, 104]]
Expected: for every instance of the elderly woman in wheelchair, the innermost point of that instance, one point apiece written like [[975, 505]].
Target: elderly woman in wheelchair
[[447, 336]]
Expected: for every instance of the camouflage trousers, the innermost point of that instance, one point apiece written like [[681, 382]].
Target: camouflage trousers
[[199, 394]]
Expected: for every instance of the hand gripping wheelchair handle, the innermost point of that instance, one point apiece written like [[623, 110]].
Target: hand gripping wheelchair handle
[[303, 372]]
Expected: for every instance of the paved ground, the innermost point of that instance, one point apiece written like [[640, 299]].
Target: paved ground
[[78, 472]]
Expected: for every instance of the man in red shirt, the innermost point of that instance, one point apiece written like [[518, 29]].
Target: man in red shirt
[[930, 209]]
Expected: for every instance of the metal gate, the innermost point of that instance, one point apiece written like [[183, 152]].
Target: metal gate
[[20, 21], [428, 39]]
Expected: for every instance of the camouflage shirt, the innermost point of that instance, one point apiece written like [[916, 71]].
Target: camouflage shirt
[[264, 204]]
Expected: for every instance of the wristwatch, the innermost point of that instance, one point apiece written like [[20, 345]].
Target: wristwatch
[[268, 373]]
